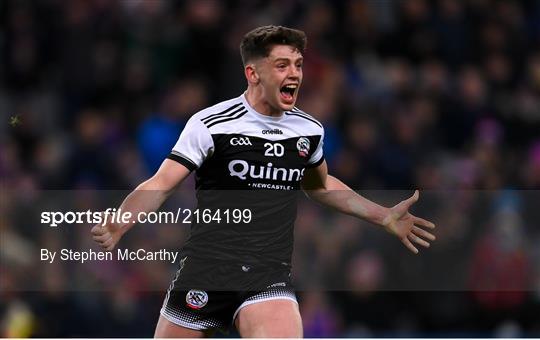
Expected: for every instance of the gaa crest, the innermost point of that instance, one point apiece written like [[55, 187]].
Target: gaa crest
[[303, 146], [196, 299]]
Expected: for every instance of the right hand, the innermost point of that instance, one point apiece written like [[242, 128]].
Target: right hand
[[107, 235]]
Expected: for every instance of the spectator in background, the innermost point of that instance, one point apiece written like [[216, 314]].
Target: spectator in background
[[158, 133], [500, 270]]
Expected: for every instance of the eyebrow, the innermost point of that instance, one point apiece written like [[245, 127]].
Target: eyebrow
[[287, 59]]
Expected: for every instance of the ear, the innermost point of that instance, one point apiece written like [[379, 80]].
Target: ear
[[251, 74]]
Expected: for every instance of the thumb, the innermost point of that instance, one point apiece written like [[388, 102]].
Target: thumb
[[404, 206], [411, 200]]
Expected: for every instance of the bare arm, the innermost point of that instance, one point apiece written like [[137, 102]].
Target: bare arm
[[330, 191], [147, 197]]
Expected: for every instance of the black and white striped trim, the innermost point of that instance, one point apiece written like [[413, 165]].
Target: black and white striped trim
[[220, 113], [278, 294], [234, 112], [178, 157], [316, 164], [189, 320], [302, 114]]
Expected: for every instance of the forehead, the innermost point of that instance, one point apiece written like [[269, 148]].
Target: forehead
[[284, 51]]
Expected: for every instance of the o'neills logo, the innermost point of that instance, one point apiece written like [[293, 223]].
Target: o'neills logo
[[272, 132], [244, 170]]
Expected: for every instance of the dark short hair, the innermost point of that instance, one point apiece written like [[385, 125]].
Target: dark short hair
[[259, 42]]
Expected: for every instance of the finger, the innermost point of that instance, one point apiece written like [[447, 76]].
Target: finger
[[421, 232], [106, 244], [109, 248], [409, 245], [424, 223], [418, 240], [101, 238], [97, 230]]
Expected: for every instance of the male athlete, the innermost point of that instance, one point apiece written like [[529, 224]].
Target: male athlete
[[251, 152]]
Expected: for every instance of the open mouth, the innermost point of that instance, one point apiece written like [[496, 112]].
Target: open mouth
[[288, 91]]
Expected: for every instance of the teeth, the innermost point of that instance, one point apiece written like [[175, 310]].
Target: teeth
[[291, 86]]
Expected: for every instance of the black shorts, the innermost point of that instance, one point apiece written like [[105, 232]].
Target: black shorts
[[207, 295]]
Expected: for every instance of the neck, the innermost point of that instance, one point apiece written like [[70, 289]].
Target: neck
[[255, 97]]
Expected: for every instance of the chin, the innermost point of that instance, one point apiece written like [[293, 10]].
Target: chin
[[286, 106]]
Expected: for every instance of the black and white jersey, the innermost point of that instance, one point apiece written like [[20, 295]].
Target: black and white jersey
[[246, 160]]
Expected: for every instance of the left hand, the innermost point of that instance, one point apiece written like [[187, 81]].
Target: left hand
[[407, 227]]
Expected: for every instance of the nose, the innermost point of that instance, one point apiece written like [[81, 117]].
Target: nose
[[294, 72]]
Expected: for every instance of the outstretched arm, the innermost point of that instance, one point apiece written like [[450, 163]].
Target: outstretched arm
[[147, 197], [397, 220]]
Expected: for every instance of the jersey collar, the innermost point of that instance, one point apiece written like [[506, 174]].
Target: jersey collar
[[258, 115]]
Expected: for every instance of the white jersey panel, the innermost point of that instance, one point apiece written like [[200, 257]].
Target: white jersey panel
[[195, 143]]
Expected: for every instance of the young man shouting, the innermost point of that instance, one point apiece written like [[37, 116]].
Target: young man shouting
[[253, 152]]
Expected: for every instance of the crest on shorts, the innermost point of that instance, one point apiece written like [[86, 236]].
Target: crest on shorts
[[196, 299], [303, 146]]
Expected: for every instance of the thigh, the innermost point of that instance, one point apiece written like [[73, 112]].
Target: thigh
[[278, 318], [167, 329]]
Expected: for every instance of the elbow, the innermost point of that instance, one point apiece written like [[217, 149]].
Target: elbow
[[158, 184]]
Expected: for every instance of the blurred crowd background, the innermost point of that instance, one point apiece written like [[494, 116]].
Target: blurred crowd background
[[443, 96]]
